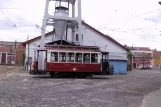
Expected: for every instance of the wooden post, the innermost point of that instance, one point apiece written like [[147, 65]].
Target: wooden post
[[15, 50], [28, 53], [143, 62], [10, 54]]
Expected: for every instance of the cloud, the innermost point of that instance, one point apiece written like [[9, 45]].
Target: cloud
[[156, 17], [26, 13]]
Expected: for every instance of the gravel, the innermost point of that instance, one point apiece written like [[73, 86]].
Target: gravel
[[19, 89]]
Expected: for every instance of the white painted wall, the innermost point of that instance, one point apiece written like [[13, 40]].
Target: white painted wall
[[93, 38], [90, 38]]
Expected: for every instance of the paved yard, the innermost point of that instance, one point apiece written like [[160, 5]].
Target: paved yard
[[19, 89], [4, 70]]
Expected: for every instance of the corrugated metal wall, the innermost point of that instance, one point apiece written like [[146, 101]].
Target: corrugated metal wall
[[120, 66]]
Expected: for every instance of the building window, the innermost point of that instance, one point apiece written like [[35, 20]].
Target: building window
[[77, 37], [12, 54], [142, 60], [30, 60], [54, 57]]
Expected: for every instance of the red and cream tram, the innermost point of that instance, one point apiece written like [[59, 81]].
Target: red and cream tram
[[75, 60]]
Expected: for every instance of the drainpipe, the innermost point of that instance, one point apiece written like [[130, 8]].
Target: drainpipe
[[67, 33], [73, 29]]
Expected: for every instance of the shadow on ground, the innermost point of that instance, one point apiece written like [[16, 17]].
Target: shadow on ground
[[70, 77]]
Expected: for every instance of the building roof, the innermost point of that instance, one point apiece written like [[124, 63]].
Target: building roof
[[106, 36], [142, 54], [141, 48], [38, 37], [6, 49], [92, 28], [138, 48], [9, 43], [59, 42]]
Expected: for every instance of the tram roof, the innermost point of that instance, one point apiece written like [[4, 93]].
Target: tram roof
[[71, 48]]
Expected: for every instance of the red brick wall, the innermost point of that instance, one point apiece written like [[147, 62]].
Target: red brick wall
[[5, 49], [19, 54]]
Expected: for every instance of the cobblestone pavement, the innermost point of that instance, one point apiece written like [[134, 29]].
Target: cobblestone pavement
[[19, 89]]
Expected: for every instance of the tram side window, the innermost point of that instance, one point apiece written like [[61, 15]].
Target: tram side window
[[94, 58], [54, 57], [70, 57], [86, 57], [78, 57], [62, 57]]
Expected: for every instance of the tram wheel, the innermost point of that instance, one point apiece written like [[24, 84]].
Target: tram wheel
[[81, 76], [52, 74], [90, 75]]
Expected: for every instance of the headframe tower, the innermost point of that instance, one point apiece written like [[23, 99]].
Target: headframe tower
[[61, 21]]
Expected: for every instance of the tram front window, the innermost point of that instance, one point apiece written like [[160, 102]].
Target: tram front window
[[94, 58], [70, 57], [86, 58], [105, 57], [62, 57], [78, 57], [54, 57]]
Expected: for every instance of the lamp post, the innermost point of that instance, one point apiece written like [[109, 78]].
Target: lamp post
[[160, 57]]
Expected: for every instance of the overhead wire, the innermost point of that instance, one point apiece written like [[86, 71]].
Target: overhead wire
[[125, 19], [14, 25], [104, 27]]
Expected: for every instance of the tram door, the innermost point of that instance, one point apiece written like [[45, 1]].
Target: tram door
[[41, 60], [105, 62]]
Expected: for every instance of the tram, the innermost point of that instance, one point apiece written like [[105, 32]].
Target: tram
[[72, 60]]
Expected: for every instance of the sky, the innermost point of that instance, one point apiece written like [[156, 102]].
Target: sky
[[130, 22]]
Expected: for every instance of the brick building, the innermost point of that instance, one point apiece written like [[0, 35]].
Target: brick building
[[10, 52], [142, 57]]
